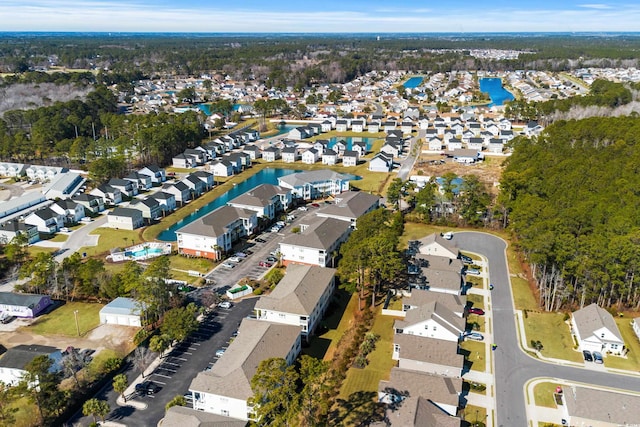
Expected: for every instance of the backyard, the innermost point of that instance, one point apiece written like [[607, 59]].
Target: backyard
[[62, 320]]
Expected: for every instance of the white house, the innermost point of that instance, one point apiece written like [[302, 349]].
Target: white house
[[381, 162], [179, 190], [266, 200], [226, 387], [329, 157], [310, 156], [300, 299], [215, 233], [125, 219], [91, 203], [167, 201], [435, 144], [432, 320], [419, 297], [271, 154], [596, 330], [10, 229], [73, 212], [222, 168], [157, 174], [12, 169], [46, 220], [317, 243], [434, 244], [350, 158], [121, 311], [290, 154], [183, 161], [315, 184], [636, 326]]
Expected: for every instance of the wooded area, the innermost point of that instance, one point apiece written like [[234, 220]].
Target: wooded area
[[573, 202]]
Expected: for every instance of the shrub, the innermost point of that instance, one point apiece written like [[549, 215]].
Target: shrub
[[257, 291], [140, 336]]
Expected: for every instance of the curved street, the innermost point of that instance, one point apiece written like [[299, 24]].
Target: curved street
[[513, 367]]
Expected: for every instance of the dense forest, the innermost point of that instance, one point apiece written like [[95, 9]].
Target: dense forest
[[300, 60], [573, 202]]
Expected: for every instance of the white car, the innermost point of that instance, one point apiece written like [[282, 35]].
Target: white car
[[225, 304], [302, 208], [234, 259], [448, 235]]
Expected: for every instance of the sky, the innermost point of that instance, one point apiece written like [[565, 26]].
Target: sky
[[325, 16]]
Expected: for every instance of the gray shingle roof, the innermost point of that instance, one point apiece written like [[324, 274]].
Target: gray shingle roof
[[430, 350], [256, 341], [593, 317], [310, 177], [350, 204], [21, 300], [606, 407], [180, 416], [436, 311], [321, 234], [260, 196], [215, 223], [18, 356], [455, 303], [299, 291]]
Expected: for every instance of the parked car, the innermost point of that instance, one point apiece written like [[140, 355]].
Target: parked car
[[315, 205], [275, 229], [448, 235], [597, 357], [466, 259], [188, 397], [220, 352], [265, 264], [274, 253], [6, 318], [147, 387], [228, 265], [225, 304], [587, 356], [302, 208], [272, 259], [260, 240], [240, 254], [477, 336], [477, 311], [473, 271], [235, 259]]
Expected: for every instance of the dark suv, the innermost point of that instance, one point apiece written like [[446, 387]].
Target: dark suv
[[147, 387], [587, 356]]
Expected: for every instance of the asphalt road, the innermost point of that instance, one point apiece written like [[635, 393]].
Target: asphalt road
[[407, 164], [513, 367], [177, 370]]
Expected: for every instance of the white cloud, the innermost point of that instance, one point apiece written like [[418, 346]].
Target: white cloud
[[595, 6]]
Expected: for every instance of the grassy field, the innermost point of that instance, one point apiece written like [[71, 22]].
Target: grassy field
[[552, 331], [632, 359], [35, 250], [380, 361], [61, 321], [110, 239], [201, 265], [340, 319], [477, 354], [415, 231], [523, 297], [27, 414], [477, 300], [543, 394], [477, 322]]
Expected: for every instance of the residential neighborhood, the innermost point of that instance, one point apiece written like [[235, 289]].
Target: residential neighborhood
[[245, 246]]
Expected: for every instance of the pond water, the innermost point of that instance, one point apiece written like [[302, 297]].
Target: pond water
[[413, 82], [498, 94]]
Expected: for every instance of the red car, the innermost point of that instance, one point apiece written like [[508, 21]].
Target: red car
[[315, 205], [478, 311], [265, 264]]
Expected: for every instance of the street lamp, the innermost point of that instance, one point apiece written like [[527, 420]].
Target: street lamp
[[75, 314]]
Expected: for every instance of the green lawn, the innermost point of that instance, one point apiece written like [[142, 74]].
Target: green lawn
[[632, 360], [61, 321], [474, 414], [477, 322], [337, 323], [552, 331], [27, 413], [380, 361], [543, 394], [201, 265], [477, 354], [35, 250], [58, 238], [477, 300], [415, 231], [110, 239]]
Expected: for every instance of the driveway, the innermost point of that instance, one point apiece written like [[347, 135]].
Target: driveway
[[407, 164], [80, 237], [514, 368]]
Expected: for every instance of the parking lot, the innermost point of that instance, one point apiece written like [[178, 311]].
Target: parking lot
[[257, 250], [182, 364]]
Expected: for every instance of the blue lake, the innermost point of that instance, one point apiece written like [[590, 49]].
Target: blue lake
[[349, 141], [413, 82], [265, 176], [498, 94]]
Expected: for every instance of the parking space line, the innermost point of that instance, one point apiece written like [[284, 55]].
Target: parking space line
[[163, 376], [171, 363], [159, 382]]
